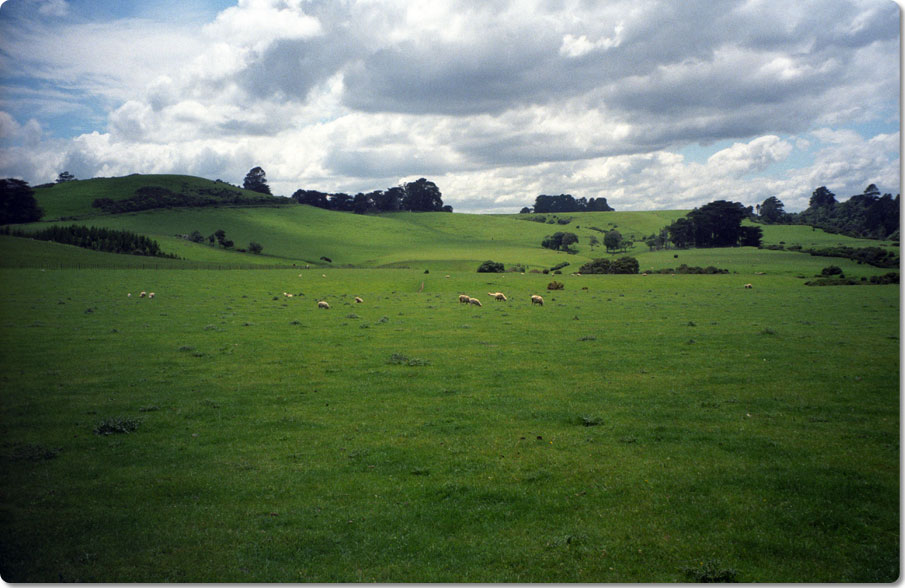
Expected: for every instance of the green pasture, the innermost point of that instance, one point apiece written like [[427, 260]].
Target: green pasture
[[73, 199], [302, 235], [632, 429]]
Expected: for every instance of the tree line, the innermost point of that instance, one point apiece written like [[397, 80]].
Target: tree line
[[421, 195], [566, 203], [96, 238], [867, 215]]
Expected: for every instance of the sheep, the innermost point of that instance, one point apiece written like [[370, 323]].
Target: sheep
[[474, 301], [142, 294], [150, 295], [464, 298], [129, 295], [535, 299], [748, 286], [323, 304], [358, 300], [288, 295], [497, 296]]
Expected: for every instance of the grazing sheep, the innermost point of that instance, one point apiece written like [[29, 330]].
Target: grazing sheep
[[150, 295], [142, 294], [748, 286], [474, 301], [129, 295], [358, 300], [497, 296], [323, 275], [464, 298], [535, 299], [323, 304], [288, 295]]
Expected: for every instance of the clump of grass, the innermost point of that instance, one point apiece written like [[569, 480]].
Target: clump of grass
[[148, 408], [710, 571], [590, 421], [210, 327], [115, 425], [767, 331], [399, 359], [554, 285], [588, 338], [186, 348]]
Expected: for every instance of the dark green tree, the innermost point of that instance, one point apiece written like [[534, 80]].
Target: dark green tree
[[560, 241], [612, 240], [65, 177], [422, 195], [717, 224], [256, 181], [491, 267], [255, 248], [681, 233], [772, 210], [17, 203]]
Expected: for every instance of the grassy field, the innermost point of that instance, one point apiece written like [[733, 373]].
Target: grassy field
[[634, 428], [656, 429]]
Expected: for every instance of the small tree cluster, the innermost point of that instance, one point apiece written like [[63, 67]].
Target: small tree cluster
[[560, 241], [491, 267], [623, 265]]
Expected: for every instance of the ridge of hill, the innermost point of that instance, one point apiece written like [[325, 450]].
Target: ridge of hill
[[73, 200]]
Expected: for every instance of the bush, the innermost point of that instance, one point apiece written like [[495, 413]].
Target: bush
[[255, 248], [831, 270], [623, 265], [554, 285], [491, 267]]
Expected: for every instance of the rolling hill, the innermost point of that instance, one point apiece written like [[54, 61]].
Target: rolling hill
[[294, 234]]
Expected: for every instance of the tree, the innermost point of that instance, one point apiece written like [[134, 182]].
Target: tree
[[771, 211], [422, 195], [256, 181], [255, 248], [341, 202], [196, 237], [65, 177], [390, 200], [681, 233], [750, 236], [717, 224], [17, 203], [525, 210], [310, 197], [559, 241], [491, 267], [613, 240]]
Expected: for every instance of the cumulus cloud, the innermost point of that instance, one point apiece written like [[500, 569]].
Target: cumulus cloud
[[497, 101]]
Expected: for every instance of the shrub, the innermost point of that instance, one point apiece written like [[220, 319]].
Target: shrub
[[492, 267], [554, 285], [831, 270], [255, 248]]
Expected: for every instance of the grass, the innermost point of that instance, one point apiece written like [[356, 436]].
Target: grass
[[599, 438]]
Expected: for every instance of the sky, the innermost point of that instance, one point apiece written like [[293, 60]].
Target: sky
[[651, 104]]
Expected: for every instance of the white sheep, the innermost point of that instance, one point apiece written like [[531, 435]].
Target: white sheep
[[474, 301], [535, 299], [497, 296], [748, 286], [150, 295], [129, 295], [358, 300], [323, 304], [142, 294], [464, 298]]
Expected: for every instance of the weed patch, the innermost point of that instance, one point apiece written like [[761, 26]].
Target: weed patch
[[710, 571], [399, 359], [115, 425]]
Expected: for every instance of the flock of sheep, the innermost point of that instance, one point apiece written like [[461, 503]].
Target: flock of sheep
[[466, 299], [141, 294]]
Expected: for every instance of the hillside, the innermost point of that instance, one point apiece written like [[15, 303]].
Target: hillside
[[74, 199]]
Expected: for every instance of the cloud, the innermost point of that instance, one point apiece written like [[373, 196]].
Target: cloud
[[497, 101]]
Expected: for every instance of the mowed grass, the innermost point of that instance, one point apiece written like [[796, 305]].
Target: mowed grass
[[626, 432]]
